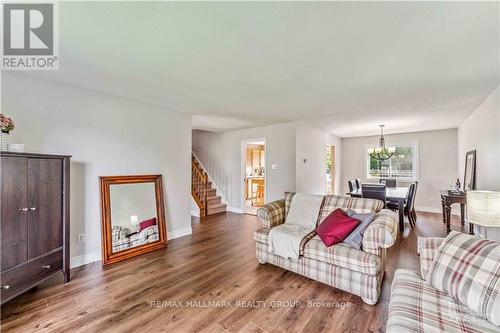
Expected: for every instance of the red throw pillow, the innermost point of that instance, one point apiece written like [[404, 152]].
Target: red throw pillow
[[147, 223], [336, 227]]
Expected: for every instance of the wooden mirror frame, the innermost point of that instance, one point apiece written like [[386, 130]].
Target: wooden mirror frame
[[473, 173], [108, 257]]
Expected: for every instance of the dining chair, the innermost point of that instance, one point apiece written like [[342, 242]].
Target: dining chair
[[389, 182], [409, 209], [257, 192], [358, 182], [374, 191], [352, 185]]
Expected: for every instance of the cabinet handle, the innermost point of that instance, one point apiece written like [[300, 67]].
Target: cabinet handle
[[5, 286], [33, 208], [23, 209], [46, 266]]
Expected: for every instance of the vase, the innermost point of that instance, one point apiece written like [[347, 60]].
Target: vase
[[2, 133]]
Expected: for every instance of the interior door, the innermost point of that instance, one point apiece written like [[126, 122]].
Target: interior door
[[14, 216], [45, 205], [256, 158]]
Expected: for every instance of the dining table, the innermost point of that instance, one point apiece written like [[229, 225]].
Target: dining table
[[393, 194]]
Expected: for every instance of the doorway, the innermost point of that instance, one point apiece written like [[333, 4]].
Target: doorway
[[330, 169], [254, 175]]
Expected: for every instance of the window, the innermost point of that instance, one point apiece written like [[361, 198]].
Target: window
[[402, 165], [330, 169]]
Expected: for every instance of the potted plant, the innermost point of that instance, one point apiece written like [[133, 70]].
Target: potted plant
[[7, 125]]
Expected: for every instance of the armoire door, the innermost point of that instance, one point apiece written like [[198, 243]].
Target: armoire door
[[45, 205], [14, 213]]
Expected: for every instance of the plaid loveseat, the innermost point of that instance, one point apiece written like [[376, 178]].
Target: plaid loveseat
[[357, 271], [416, 306]]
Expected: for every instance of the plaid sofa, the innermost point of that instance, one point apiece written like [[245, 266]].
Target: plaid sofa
[[124, 239], [119, 238], [357, 271], [416, 306], [148, 235]]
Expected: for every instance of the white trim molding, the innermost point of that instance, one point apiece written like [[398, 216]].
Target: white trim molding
[[91, 257], [235, 210], [85, 259], [179, 233]]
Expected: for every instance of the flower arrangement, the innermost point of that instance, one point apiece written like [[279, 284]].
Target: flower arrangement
[[6, 123]]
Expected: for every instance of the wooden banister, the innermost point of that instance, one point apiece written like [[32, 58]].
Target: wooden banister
[[199, 187]]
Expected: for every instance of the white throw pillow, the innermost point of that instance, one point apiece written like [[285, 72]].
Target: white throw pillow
[[304, 210]]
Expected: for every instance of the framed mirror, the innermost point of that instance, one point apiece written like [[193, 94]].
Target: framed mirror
[[470, 171], [132, 216]]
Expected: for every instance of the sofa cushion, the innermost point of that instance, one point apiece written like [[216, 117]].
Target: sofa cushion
[[468, 269], [304, 210], [417, 307], [359, 205], [286, 239], [343, 256], [147, 223], [336, 227], [355, 238], [261, 235]]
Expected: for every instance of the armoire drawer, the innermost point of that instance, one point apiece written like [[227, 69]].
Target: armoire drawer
[[28, 274]]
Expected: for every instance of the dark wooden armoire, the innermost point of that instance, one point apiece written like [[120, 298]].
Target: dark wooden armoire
[[34, 220]]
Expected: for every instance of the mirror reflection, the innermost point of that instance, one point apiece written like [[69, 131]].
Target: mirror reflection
[[468, 173], [134, 219]]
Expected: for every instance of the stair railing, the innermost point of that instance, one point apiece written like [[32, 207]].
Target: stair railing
[[199, 187]]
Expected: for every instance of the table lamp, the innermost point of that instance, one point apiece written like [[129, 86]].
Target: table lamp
[[134, 220], [483, 208]]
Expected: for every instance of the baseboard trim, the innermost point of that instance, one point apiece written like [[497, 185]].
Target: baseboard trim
[[430, 209], [179, 233], [235, 210], [91, 257], [85, 259], [195, 213]]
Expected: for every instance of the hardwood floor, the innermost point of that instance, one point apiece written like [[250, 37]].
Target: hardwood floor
[[216, 263]]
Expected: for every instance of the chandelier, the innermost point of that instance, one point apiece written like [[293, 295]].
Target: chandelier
[[381, 153]]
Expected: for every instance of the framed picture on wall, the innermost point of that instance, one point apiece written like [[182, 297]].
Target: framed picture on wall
[[470, 171]]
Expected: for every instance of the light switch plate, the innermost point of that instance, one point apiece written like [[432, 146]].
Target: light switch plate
[[274, 166]]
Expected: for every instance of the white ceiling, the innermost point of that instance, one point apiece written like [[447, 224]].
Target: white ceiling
[[344, 66]]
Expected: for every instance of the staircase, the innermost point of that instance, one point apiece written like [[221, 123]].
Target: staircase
[[201, 189]]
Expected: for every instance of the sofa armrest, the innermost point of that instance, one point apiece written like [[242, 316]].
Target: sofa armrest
[[381, 233], [272, 214], [426, 249]]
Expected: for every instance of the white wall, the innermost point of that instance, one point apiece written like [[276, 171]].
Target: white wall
[[310, 146], [437, 165], [287, 144], [221, 155], [106, 136], [481, 131]]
